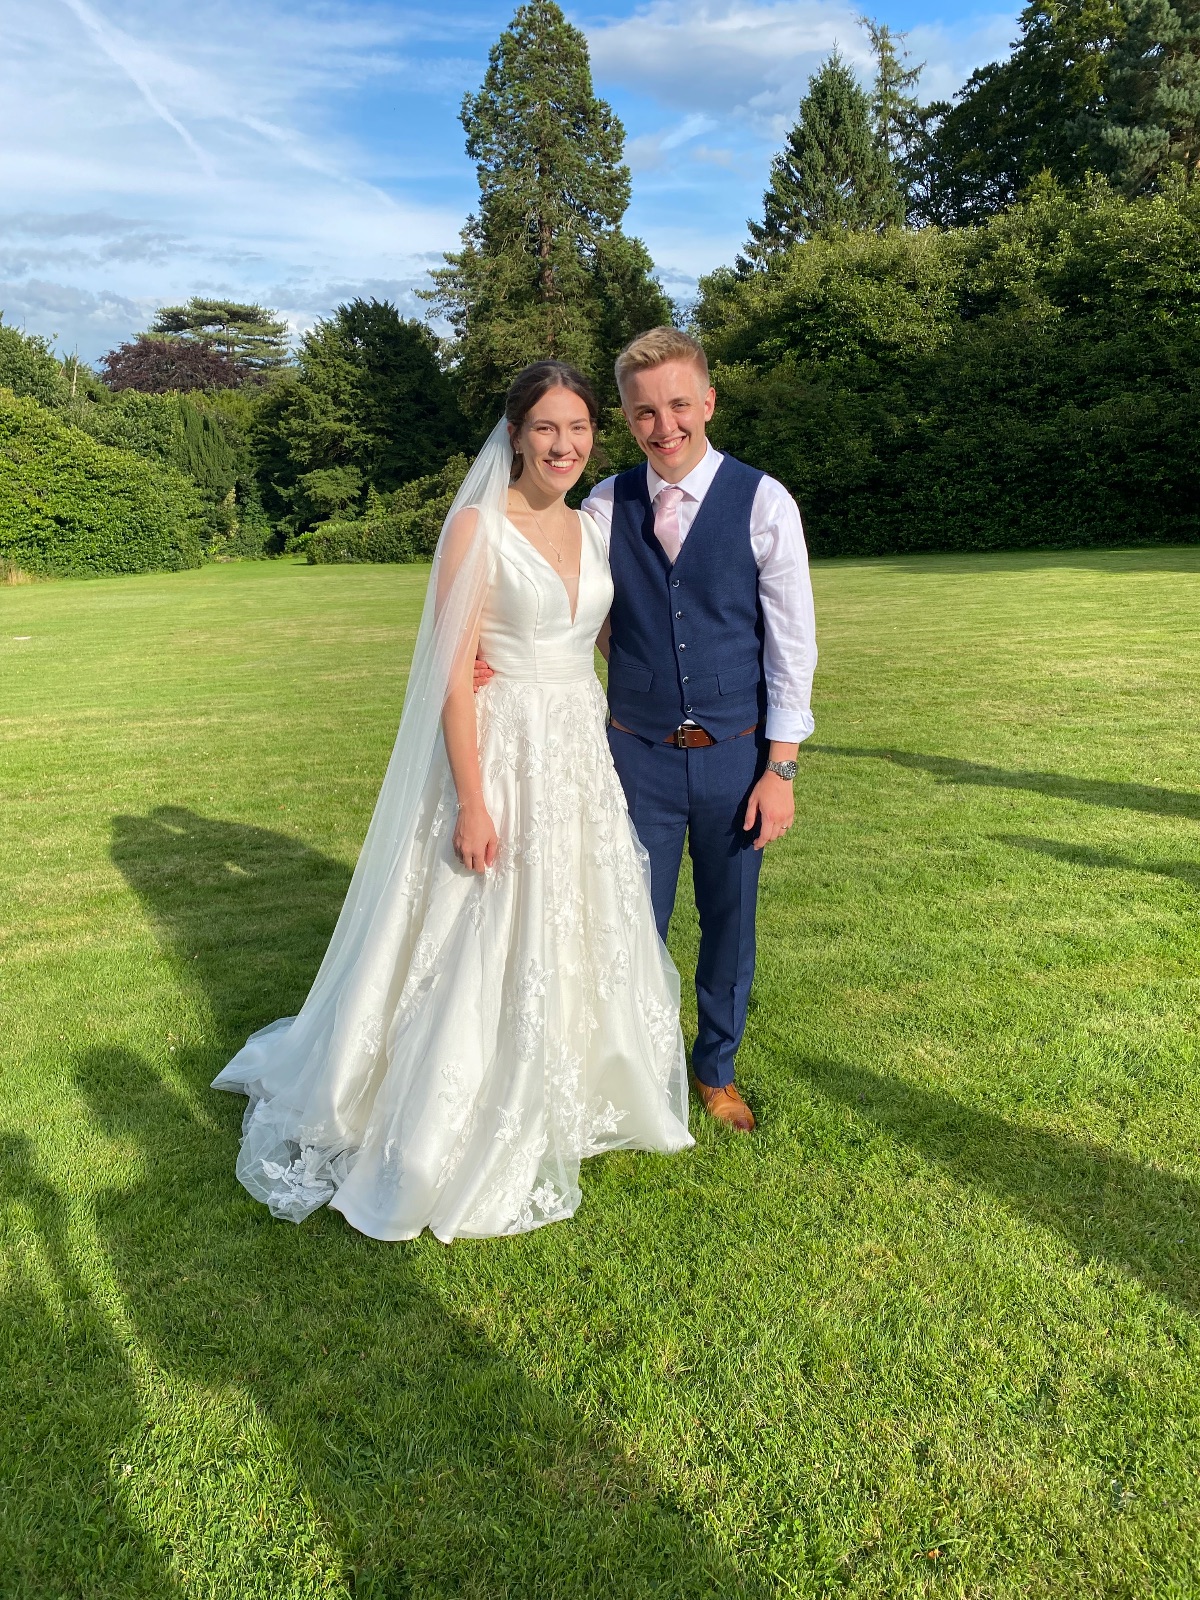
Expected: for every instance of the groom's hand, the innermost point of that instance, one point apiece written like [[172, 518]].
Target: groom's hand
[[483, 674], [771, 807]]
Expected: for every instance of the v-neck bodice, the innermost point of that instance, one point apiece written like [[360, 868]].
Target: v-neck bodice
[[527, 629]]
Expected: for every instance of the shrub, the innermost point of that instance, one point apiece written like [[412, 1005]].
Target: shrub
[[403, 526], [28, 367], [1029, 382], [70, 505]]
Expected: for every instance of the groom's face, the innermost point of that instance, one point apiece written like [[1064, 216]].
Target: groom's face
[[667, 408]]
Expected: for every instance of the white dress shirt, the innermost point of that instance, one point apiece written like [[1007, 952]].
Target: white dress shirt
[[784, 586]]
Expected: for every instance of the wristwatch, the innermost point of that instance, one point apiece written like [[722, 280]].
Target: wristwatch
[[782, 769]]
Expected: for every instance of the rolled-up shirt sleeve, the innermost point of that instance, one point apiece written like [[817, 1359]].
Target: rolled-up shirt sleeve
[[789, 618]]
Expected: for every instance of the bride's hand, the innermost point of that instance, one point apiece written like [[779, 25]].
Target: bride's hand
[[476, 842]]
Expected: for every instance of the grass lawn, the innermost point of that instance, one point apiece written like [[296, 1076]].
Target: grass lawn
[[932, 1331]]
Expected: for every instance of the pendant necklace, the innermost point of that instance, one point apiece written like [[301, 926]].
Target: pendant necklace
[[557, 548]]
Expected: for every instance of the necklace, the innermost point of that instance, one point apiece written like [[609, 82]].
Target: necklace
[[557, 548]]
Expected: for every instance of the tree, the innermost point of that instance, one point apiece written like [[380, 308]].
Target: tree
[[1149, 123], [369, 406], [896, 113], [250, 335], [158, 365], [1014, 120], [544, 269], [831, 173]]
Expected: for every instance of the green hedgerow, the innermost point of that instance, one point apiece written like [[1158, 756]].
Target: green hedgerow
[[71, 505], [403, 526]]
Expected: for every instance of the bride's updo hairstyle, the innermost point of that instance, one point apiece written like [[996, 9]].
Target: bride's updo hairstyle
[[531, 383]]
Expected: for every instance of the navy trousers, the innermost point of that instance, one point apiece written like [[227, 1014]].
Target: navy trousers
[[703, 794]]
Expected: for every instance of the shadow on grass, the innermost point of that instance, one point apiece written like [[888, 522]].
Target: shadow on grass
[[67, 1403], [1079, 855], [435, 1465], [1107, 1207], [1089, 791]]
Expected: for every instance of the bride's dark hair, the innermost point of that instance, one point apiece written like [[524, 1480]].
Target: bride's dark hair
[[532, 382]]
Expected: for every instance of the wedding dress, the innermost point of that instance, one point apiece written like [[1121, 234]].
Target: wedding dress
[[489, 1030]]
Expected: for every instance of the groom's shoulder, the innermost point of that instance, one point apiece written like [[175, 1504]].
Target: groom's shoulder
[[740, 469], [763, 481]]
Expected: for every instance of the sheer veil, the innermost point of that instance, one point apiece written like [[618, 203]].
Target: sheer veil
[[309, 1077]]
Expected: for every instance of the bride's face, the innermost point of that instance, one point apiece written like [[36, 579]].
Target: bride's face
[[555, 441]]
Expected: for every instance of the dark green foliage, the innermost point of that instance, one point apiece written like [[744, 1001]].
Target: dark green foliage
[[1149, 126], [1020, 118], [69, 504], [1031, 382], [545, 269], [369, 405], [831, 173], [197, 438], [403, 526], [1108, 86], [28, 367], [897, 116], [250, 336]]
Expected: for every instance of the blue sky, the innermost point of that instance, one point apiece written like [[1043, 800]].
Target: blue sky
[[299, 153]]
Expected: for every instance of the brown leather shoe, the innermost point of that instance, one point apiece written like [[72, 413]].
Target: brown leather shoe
[[726, 1105]]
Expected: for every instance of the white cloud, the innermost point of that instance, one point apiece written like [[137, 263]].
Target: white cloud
[[299, 151], [155, 150], [751, 61]]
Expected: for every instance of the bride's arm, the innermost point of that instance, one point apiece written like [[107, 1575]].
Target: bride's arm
[[475, 840]]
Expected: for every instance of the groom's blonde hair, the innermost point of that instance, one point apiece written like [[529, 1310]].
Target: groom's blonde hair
[[656, 347]]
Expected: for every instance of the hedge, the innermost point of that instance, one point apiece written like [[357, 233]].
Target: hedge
[[403, 526], [1032, 382], [69, 505]]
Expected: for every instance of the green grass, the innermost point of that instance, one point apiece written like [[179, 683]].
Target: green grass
[[932, 1331]]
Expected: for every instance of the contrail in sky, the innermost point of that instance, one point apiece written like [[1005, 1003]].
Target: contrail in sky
[[107, 38]]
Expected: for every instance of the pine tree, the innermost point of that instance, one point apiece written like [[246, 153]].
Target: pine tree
[[249, 335], [544, 269], [896, 112], [1148, 127], [831, 173], [1036, 112]]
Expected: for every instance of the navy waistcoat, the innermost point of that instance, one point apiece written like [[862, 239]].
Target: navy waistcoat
[[687, 639]]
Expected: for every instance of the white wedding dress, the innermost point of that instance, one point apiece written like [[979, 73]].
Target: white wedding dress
[[530, 1014]]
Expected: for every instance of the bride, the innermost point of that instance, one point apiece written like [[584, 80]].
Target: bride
[[495, 1002]]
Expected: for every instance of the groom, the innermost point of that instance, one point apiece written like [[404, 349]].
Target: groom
[[710, 666]]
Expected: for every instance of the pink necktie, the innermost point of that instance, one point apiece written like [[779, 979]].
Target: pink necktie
[[666, 519]]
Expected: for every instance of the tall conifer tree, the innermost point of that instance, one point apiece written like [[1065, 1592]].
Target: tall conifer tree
[[544, 268], [1149, 124], [832, 172], [896, 112]]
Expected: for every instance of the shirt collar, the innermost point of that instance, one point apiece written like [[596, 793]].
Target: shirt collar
[[698, 481]]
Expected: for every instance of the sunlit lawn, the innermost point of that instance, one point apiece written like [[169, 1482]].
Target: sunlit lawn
[[933, 1330]]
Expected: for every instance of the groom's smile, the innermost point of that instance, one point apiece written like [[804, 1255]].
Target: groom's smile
[[667, 407]]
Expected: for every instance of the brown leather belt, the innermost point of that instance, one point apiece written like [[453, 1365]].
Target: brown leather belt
[[688, 738]]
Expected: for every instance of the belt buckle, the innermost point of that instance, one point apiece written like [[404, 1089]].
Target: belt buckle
[[680, 737]]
